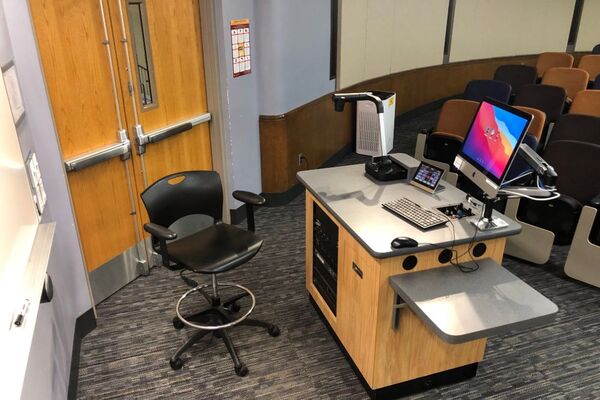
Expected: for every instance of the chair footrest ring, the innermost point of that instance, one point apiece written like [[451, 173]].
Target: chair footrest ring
[[215, 327]]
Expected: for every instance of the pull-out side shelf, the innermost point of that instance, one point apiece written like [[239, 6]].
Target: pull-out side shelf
[[460, 306]]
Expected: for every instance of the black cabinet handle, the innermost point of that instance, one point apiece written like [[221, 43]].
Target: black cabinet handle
[[357, 270], [47, 290]]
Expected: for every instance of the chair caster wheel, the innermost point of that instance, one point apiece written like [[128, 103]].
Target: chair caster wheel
[[274, 330], [217, 335], [241, 370], [177, 363], [234, 307], [177, 323]]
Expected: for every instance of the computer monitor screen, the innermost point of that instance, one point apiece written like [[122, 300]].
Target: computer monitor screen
[[491, 144]]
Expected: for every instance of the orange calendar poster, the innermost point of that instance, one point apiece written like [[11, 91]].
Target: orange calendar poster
[[240, 46]]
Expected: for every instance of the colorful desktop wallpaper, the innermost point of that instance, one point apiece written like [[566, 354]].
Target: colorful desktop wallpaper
[[492, 138]]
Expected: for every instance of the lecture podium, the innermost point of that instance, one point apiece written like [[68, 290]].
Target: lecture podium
[[407, 319]]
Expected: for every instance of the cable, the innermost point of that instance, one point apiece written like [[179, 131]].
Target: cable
[[522, 175]]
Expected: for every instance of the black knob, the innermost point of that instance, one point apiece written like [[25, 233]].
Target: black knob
[[47, 290]]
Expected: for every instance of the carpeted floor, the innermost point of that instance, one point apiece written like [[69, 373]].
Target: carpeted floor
[[126, 356]]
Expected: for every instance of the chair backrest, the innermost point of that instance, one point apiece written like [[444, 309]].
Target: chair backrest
[[591, 64], [596, 84], [546, 98], [549, 60], [539, 121], [582, 128], [479, 89], [456, 117], [516, 75], [573, 80], [573, 161], [184, 193], [596, 49], [586, 102]]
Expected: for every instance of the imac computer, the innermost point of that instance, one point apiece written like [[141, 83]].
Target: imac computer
[[491, 144]]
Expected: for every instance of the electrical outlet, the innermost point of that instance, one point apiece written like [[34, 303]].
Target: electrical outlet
[[301, 158]]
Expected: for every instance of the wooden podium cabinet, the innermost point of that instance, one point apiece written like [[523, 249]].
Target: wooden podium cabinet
[[363, 322]]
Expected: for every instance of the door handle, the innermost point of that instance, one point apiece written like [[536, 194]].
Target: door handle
[[94, 157], [142, 139], [357, 270]]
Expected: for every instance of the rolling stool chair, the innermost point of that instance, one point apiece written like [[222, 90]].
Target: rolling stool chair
[[215, 249]]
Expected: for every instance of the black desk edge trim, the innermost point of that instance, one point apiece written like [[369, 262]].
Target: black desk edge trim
[[84, 324], [451, 376]]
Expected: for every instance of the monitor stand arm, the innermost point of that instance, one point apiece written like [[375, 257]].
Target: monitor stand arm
[[488, 222]]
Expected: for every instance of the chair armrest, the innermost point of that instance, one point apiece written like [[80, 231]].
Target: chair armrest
[[251, 200], [249, 197], [595, 202], [159, 231]]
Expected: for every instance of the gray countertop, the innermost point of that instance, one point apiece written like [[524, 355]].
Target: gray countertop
[[461, 306], [355, 200]]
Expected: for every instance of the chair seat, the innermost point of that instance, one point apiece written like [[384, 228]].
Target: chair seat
[[216, 249]]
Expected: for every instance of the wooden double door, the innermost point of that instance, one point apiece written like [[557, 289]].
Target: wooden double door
[[125, 116]]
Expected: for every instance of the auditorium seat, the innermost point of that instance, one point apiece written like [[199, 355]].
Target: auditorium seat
[[586, 102], [591, 64], [516, 75], [479, 89], [572, 80], [545, 61], [582, 128]]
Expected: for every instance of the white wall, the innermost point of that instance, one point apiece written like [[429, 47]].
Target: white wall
[[49, 363], [500, 28], [239, 104], [380, 37], [289, 42], [292, 51], [589, 27]]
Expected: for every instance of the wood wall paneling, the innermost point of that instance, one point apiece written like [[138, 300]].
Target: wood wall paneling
[[315, 130], [318, 132]]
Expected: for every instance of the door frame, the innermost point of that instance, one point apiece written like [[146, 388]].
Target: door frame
[[213, 72]]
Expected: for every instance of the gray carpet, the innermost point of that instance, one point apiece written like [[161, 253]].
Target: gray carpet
[[126, 356]]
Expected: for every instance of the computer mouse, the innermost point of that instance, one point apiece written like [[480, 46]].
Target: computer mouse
[[403, 242]]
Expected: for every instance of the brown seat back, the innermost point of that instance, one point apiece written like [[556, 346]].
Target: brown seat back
[[573, 80], [539, 120], [586, 102], [549, 60], [591, 64], [456, 117]]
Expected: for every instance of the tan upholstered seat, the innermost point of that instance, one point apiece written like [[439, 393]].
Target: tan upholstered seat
[[573, 80], [545, 61], [455, 117], [591, 64], [537, 125], [586, 102]]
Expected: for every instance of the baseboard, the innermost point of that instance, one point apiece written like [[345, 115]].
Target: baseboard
[[283, 198], [83, 325]]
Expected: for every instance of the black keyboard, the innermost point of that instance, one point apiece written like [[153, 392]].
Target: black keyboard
[[415, 214]]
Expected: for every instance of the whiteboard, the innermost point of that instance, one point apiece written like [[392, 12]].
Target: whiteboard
[[17, 213], [502, 28], [589, 28]]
